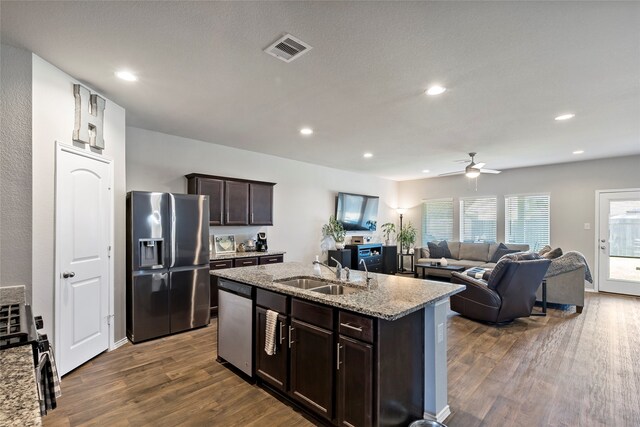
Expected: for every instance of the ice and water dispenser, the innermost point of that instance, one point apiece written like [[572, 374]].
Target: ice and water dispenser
[[151, 253]]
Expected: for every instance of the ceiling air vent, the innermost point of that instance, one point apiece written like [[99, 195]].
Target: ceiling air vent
[[288, 48]]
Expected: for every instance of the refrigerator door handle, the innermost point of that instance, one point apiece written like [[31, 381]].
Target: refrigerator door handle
[[172, 215]]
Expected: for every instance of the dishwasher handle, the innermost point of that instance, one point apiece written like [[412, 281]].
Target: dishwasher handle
[[235, 288]]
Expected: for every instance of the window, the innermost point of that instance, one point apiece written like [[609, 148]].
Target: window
[[526, 220], [478, 219], [437, 220]]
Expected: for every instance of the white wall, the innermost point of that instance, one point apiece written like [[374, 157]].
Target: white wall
[[572, 188], [53, 120], [15, 168], [304, 196]]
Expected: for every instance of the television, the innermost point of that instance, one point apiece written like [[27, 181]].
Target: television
[[357, 212]]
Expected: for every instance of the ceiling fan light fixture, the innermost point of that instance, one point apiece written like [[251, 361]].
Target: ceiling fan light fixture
[[435, 90], [472, 173]]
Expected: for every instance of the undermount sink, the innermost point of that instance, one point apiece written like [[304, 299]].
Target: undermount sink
[[335, 290], [303, 283]]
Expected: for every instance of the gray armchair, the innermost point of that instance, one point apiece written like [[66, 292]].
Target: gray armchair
[[510, 292]]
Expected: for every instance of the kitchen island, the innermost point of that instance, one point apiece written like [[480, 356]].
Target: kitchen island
[[368, 355]]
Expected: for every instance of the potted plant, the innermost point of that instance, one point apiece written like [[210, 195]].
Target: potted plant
[[387, 229], [335, 230], [407, 236]]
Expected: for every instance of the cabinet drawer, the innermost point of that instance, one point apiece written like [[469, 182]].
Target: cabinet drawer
[[270, 259], [272, 300], [313, 314], [245, 262], [355, 326], [218, 265]]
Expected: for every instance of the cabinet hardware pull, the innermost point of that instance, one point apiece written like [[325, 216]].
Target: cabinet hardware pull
[[273, 260], [247, 262], [251, 216], [281, 332], [220, 265], [355, 328], [338, 357], [291, 336]]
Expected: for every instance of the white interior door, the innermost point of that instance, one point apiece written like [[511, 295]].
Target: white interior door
[[83, 234], [619, 242]]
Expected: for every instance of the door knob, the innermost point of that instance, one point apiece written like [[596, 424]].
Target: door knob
[[68, 274]]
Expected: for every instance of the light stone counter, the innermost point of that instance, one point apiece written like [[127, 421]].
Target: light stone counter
[[19, 404], [389, 297], [218, 257]]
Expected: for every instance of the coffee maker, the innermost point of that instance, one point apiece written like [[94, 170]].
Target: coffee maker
[[261, 242]]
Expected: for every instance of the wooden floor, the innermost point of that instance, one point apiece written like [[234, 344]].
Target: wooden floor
[[561, 370]]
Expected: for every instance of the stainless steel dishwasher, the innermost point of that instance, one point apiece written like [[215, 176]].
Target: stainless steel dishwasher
[[235, 324]]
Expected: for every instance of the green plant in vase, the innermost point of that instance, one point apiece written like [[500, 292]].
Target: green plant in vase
[[387, 229], [407, 236], [335, 230]]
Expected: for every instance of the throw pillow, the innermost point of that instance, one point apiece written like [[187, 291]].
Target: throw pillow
[[439, 250], [553, 254], [424, 252], [501, 251], [544, 250]]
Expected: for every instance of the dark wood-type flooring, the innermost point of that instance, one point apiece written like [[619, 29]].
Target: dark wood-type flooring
[[561, 370]]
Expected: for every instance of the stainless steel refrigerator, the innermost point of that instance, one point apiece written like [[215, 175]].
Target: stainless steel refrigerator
[[167, 263]]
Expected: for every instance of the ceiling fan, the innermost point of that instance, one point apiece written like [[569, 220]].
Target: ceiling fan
[[473, 169]]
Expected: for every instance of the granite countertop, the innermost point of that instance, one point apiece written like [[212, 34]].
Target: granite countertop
[[19, 405], [389, 297], [214, 257]]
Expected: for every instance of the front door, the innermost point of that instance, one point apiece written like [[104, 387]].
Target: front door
[[83, 230], [619, 242]]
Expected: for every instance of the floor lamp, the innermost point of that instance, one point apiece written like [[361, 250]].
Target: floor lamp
[[401, 211]]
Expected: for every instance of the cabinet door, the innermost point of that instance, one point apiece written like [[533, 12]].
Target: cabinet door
[[261, 203], [214, 188], [312, 369], [272, 369], [236, 196], [355, 377]]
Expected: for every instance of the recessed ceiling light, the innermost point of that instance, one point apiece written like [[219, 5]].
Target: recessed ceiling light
[[306, 131], [565, 117], [127, 75], [367, 155], [435, 90], [425, 171], [578, 152]]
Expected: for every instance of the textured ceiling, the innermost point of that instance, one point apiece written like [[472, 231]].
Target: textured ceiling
[[510, 68]]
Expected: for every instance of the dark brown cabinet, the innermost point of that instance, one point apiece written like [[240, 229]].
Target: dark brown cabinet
[[214, 188], [272, 369], [312, 367], [354, 395], [245, 262], [261, 204], [234, 201]]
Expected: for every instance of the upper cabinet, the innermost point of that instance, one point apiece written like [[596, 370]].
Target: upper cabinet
[[234, 201], [261, 204]]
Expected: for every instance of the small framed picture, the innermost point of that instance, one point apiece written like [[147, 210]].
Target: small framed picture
[[224, 244]]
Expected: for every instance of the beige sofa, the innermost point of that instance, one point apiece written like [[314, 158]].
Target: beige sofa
[[565, 288], [463, 254]]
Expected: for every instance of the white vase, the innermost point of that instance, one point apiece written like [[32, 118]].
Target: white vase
[[443, 262], [340, 245]]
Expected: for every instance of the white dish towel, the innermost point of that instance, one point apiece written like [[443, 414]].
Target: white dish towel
[[270, 332]]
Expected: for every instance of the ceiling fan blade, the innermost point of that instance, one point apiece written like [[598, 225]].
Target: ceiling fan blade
[[462, 161], [452, 173], [489, 171], [479, 165]]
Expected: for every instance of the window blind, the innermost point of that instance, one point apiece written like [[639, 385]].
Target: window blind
[[478, 219], [437, 220], [527, 220]]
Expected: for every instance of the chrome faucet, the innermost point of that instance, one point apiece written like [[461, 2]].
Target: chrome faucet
[[367, 272], [337, 272]]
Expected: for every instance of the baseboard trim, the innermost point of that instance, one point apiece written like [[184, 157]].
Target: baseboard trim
[[440, 416], [119, 343]]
